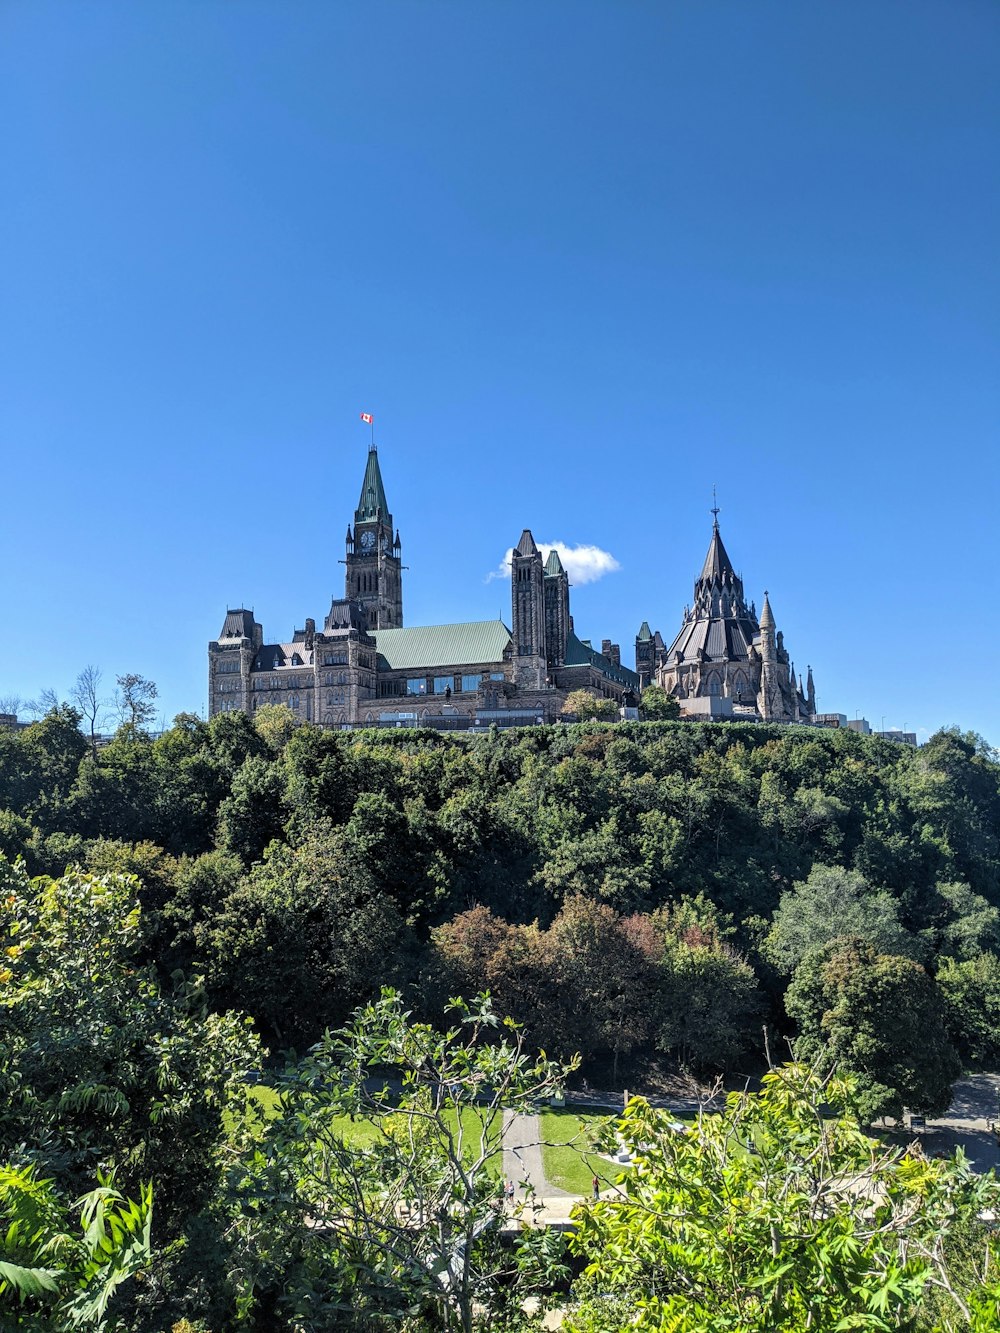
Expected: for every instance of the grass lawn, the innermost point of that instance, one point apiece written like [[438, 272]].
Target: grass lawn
[[567, 1150], [360, 1132]]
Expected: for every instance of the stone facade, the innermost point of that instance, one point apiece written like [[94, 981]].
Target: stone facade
[[724, 662], [364, 668]]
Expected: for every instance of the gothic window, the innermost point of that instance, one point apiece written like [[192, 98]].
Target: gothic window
[[369, 717], [713, 686], [342, 678]]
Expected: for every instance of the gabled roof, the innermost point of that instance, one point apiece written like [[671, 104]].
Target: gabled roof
[[372, 503], [477, 642]]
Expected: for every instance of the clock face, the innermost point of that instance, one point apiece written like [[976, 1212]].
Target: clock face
[[367, 541]]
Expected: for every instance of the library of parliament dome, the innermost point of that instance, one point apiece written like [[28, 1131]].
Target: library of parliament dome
[[364, 668]]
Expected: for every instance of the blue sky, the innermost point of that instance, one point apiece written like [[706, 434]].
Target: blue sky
[[582, 261]]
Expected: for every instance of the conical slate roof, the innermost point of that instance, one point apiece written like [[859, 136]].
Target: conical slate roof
[[372, 504], [766, 616], [717, 563]]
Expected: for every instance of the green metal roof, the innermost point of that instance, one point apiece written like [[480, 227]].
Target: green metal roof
[[431, 646], [645, 633], [553, 565], [579, 653], [372, 503]]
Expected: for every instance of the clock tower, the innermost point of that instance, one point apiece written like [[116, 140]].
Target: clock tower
[[374, 557]]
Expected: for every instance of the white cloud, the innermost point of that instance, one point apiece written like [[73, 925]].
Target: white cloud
[[583, 564]]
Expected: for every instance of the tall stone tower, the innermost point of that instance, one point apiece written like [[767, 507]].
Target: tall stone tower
[[770, 704], [374, 555], [557, 617], [527, 590]]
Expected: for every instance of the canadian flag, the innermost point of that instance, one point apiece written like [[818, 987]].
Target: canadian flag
[[367, 418]]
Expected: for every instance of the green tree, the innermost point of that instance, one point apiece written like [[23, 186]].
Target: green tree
[[879, 1018], [399, 1229], [830, 903], [971, 991], [589, 707], [657, 705], [777, 1215], [97, 1066], [135, 701]]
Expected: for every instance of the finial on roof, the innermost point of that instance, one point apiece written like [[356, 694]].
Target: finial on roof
[[714, 511]]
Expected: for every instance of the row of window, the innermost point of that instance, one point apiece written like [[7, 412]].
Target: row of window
[[227, 664], [228, 687], [448, 684]]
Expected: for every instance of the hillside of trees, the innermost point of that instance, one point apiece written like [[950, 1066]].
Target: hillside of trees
[[654, 896]]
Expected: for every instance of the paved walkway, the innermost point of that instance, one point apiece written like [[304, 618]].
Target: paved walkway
[[522, 1158]]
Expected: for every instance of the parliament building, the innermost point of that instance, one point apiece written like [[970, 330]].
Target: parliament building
[[364, 668]]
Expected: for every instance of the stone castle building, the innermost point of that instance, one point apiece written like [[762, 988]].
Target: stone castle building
[[724, 662], [363, 667]]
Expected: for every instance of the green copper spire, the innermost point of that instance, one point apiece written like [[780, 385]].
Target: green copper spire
[[372, 504]]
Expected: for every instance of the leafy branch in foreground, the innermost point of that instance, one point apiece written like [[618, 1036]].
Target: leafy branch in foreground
[[779, 1214], [62, 1280]]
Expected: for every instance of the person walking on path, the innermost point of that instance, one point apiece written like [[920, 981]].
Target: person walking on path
[[597, 1187]]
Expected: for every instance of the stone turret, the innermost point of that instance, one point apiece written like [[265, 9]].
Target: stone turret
[[527, 587], [555, 585]]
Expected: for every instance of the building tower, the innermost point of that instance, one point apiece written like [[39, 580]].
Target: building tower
[[770, 704], [527, 589], [557, 619], [374, 556]]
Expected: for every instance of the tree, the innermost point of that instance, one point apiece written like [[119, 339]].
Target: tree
[[777, 1215], [708, 1006], [65, 1280], [879, 1018], [832, 902], [99, 1067], [134, 701], [400, 1227], [971, 991], [658, 705], [91, 704], [587, 706]]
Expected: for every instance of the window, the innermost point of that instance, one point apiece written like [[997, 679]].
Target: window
[[497, 675], [471, 683], [443, 684], [416, 685]]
